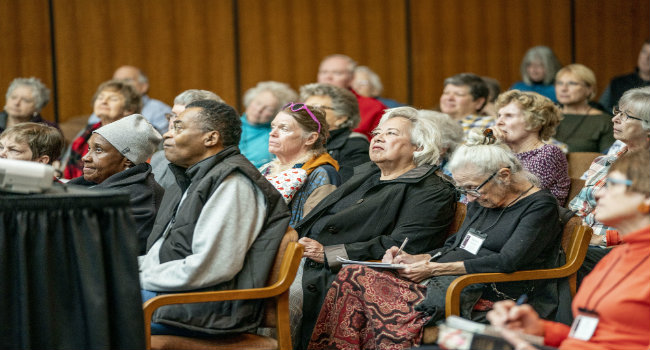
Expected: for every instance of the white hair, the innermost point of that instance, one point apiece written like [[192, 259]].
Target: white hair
[[450, 131], [424, 134]]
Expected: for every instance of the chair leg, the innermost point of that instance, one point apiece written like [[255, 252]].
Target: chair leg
[[283, 323]]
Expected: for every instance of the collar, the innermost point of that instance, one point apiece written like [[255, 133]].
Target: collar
[[185, 176], [338, 138]]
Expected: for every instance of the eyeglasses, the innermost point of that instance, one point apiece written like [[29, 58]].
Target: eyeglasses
[[612, 181], [624, 115], [323, 107], [474, 192], [568, 83], [295, 107]]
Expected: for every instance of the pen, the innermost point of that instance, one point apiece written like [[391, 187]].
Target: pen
[[523, 299], [402, 246]]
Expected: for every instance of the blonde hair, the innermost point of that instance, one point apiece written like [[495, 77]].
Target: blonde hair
[[583, 73], [538, 111]]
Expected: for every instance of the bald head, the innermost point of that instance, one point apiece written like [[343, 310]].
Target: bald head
[[134, 76], [337, 70]]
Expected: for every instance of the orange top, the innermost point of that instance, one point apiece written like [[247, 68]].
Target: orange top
[[620, 296]]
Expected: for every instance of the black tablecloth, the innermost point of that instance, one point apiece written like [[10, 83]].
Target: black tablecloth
[[68, 271]]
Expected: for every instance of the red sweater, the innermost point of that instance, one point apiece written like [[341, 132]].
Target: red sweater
[[625, 310], [371, 111]]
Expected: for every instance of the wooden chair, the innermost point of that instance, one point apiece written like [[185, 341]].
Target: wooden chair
[[575, 240], [459, 217], [276, 314], [579, 162]]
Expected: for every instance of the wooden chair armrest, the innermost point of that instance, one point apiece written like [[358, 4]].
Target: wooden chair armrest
[[288, 270]]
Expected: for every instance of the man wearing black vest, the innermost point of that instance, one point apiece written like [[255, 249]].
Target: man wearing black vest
[[218, 229]]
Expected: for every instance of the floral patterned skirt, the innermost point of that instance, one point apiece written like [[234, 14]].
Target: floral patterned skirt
[[369, 309]]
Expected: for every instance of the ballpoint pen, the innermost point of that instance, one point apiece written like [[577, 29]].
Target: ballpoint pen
[[402, 246]]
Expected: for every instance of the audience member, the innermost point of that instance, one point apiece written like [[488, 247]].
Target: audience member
[[632, 126], [526, 120], [538, 69], [464, 95], [620, 84], [584, 128], [262, 103], [297, 139], [338, 70], [159, 164], [612, 307], [510, 225], [25, 99], [152, 109], [113, 100], [35, 142], [451, 136], [494, 88], [219, 229], [367, 83], [117, 159], [347, 147], [399, 195]]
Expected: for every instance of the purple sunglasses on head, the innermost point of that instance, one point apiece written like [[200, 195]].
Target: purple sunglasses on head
[[295, 107]]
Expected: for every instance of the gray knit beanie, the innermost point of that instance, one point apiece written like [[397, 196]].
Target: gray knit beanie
[[133, 136]]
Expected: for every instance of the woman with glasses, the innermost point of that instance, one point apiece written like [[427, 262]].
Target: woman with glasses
[[612, 306], [303, 172], [400, 194], [510, 225], [525, 121], [584, 128], [632, 127], [341, 109]]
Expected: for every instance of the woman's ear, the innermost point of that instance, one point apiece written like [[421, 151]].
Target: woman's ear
[[44, 159], [127, 163], [312, 138]]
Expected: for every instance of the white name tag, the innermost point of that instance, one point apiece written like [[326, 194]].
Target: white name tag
[[584, 326], [472, 243]]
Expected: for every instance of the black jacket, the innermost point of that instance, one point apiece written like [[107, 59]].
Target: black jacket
[[419, 205], [349, 149], [146, 196]]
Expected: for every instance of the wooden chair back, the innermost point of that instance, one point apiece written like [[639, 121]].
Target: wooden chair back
[[579, 162], [459, 217], [575, 188]]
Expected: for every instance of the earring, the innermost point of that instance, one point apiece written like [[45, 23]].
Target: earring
[[643, 208]]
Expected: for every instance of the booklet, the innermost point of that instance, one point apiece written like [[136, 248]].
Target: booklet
[[462, 334], [370, 264]]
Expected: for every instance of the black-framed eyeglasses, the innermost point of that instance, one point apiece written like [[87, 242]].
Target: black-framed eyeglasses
[[474, 192], [624, 116]]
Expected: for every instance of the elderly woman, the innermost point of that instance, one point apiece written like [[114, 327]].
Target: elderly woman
[[262, 103], [538, 68], [399, 195], [612, 306], [525, 121], [26, 97], [367, 83], [584, 128], [113, 100], [117, 159], [36, 142], [510, 225], [297, 139], [341, 109]]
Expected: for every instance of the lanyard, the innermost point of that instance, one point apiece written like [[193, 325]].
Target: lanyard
[[614, 285]]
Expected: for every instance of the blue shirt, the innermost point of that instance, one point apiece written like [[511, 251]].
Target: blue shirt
[[544, 90], [254, 142]]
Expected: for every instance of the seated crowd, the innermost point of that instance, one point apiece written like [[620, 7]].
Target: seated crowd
[[213, 195]]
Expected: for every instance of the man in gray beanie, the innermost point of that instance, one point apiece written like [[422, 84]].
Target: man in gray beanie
[[117, 159]]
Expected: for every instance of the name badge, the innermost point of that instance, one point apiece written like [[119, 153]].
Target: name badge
[[584, 326], [473, 241]]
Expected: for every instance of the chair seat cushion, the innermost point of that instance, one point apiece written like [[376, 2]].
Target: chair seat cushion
[[237, 341]]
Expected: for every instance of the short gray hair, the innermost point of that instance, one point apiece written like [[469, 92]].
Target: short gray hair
[[637, 101], [450, 130], [39, 90], [343, 101], [352, 64], [283, 92], [484, 156], [424, 134], [547, 57], [188, 96], [376, 86]]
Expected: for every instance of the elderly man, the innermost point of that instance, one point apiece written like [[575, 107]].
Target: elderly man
[[464, 95], [218, 229], [153, 110], [338, 70], [159, 163]]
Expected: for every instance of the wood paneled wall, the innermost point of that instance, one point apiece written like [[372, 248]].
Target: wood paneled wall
[[227, 46]]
